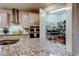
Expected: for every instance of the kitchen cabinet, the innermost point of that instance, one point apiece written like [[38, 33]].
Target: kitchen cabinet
[[34, 31], [33, 19], [34, 25], [4, 20], [28, 19], [24, 21]]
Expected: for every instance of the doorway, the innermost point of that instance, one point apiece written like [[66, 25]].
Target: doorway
[[56, 30]]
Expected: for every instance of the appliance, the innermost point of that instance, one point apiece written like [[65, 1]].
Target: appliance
[[34, 31], [15, 14]]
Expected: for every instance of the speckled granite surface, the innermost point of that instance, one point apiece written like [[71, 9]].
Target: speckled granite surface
[[25, 47], [33, 47]]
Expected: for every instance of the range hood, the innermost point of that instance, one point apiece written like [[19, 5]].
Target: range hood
[[15, 25], [15, 14]]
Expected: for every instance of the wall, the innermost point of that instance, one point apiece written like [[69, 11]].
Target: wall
[[69, 29], [43, 28], [75, 29]]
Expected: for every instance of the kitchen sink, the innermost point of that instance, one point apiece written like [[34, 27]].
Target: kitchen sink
[[8, 42], [10, 39]]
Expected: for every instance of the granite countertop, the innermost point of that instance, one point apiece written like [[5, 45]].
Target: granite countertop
[[33, 47], [25, 47], [13, 34]]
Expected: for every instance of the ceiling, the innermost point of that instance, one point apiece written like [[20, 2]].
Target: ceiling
[[24, 6]]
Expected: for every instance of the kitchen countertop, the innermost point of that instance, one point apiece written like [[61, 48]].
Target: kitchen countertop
[[32, 47], [11, 38], [13, 34], [25, 47]]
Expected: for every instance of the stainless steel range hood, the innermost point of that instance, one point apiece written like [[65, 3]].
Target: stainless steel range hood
[[15, 14]]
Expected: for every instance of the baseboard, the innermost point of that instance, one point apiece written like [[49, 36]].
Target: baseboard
[[76, 54]]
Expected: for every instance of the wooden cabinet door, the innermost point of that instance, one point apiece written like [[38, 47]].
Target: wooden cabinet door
[[24, 20], [33, 19], [4, 20]]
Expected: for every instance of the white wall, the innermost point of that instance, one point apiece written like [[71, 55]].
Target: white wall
[[69, 30], [43, 28]]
